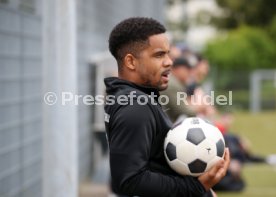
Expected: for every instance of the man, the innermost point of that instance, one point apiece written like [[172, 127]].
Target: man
[[177, 107], [136, 131]]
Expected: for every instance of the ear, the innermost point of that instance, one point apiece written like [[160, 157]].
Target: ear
[[130, 61]]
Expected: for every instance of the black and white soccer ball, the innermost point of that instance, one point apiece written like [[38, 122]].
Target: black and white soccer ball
[[193, 146]]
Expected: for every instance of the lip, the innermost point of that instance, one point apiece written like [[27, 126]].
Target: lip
[[165, 75], [166, 72]]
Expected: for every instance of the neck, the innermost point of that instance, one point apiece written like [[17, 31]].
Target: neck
[[130, 77]]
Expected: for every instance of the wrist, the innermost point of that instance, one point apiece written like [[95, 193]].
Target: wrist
[[204, 183]]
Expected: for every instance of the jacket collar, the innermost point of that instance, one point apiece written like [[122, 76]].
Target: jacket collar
[[114, 83]]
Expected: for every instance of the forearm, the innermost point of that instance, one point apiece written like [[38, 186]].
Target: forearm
[[150, 184], [135, 179]]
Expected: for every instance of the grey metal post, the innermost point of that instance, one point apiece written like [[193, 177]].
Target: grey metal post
[[255, 92], [60, 167], [256, 78]]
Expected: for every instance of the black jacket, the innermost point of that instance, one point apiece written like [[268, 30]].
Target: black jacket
[[136, 135]]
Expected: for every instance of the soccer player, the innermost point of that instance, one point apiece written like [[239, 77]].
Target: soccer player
[[136, 129]]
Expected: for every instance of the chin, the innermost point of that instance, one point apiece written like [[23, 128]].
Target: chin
[[163, 87]]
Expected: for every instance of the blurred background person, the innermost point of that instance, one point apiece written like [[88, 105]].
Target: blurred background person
[[179, 77]]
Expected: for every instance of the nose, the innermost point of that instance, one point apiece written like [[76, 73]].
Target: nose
[[168, 61]]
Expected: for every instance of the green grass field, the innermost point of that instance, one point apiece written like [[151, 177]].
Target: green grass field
[[260, 129]]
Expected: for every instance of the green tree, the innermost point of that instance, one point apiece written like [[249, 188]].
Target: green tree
[[272, 29], [245, 12], [245, 48]]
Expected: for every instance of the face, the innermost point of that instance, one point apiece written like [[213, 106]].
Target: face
[[182, 73], [202, 70], [154, 63]]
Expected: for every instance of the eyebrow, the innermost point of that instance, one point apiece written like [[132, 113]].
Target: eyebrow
[[160, 51]]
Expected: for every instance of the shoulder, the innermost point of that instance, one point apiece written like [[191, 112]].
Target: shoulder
[[131, 104], [136, 109]]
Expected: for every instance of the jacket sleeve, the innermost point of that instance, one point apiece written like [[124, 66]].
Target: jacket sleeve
[[131, 135]]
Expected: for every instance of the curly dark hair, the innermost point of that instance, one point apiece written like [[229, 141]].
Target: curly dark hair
[[131, 35]]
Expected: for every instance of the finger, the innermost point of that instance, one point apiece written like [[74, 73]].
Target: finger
[[214, 170], [227, 158], [226, 152], [222, 171]]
